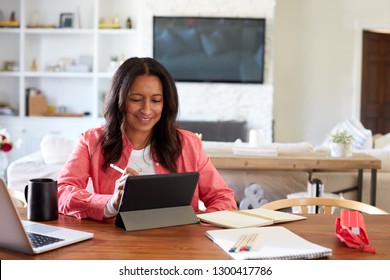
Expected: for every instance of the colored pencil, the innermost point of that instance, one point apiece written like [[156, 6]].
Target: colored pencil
[[238, 243], [244, 243]]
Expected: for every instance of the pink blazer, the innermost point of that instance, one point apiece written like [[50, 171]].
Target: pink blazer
[[85, 163]]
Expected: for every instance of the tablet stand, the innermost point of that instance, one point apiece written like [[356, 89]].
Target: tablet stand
[[156, 218]]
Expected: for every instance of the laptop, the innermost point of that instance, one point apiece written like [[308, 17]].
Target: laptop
[[160, 200], [31, 237]]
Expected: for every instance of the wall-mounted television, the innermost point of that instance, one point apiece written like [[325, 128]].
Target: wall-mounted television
[[211, 49]]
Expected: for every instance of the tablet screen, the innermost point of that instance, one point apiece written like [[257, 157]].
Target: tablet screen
[[158, 191]]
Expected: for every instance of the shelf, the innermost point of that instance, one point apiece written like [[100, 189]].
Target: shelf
[[57, 75], [117, 31], [7, 30], [9, 74], [61, 31], [105, 75]]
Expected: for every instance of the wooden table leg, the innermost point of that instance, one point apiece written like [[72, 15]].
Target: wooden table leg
[[373, 187], [360, 185]]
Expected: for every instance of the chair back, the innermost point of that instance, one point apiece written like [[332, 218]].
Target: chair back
[[17, 198], [326, 205]]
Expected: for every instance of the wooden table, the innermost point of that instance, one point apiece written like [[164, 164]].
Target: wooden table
[[310, 162], [188, 242]]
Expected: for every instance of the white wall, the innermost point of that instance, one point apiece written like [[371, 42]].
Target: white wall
[[219, 101], [317, 62]]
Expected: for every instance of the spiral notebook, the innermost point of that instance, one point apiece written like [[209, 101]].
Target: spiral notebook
[[273, 242], [248, 218]]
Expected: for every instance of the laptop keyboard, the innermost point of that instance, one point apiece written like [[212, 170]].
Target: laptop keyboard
[[39, 240]]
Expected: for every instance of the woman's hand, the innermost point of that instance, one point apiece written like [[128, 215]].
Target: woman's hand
[[119, 185]]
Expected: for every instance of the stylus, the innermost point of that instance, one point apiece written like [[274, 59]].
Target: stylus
[[116, 168]]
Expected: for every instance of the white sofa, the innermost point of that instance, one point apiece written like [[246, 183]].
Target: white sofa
[[45, 163], [274, 184]]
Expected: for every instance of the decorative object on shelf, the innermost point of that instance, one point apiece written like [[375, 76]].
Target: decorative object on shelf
[[36, 21], [5, 147], [62, 109], [10, 66], [34, 66], [341, 144], [116, 20], [36, 102], [66, 20], [128, 23], [12, 22], [61, 65], [77, 18], [86, 59], [12, 17], [6, 109], [113, 65], [35, 18], [109, 23], [84, 64]]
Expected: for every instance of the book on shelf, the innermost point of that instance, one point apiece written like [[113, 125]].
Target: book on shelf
[[247, 218], [274, 242]]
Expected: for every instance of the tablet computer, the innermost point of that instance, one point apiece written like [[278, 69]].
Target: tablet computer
[[152, 201]]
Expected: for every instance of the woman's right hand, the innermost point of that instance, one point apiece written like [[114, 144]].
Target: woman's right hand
[[119, 185]]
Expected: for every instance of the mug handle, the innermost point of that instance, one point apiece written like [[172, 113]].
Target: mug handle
[[26, 192]]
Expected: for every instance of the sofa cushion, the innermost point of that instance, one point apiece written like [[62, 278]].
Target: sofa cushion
[[382, 154], [381, 141], [56, 149], [362, 137], [31, 166]]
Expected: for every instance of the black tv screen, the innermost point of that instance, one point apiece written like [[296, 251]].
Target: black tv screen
[[206, 49]]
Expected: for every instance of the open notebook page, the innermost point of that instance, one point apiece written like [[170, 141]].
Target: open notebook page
[[274, 242]]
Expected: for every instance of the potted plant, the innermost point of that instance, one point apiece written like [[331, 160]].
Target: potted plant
[[341, 144]]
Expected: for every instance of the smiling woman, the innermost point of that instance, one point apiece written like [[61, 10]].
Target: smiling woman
[[144, 105], [141, 137]]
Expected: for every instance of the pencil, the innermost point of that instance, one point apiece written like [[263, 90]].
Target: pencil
[[244, 243], [238, 243], [251, 241], [116, 168], [244, 246]]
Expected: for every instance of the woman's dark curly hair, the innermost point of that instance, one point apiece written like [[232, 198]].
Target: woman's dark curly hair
[[165, 140]]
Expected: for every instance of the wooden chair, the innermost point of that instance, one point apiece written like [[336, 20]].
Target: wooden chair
[[17, 198], [327, 205]]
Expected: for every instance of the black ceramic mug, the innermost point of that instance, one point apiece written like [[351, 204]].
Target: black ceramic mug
[[42, 201]]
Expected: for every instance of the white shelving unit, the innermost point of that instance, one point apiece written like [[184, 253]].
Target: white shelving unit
[[78, 92]]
